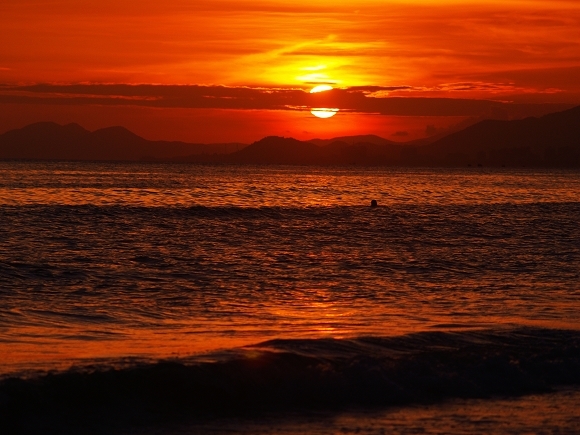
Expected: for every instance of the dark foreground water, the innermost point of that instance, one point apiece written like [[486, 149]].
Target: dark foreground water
[[190, 299]]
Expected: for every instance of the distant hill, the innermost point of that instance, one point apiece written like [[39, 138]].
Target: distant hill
[[351, 140], [549, 141], [51, 141], [552, 140], [274, 150], [279, 150]]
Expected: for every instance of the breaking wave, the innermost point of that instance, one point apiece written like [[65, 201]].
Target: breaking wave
[[283, 375]]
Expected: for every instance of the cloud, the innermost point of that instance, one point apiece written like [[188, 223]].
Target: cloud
[[374, 89], [270, 42], [358, 99]]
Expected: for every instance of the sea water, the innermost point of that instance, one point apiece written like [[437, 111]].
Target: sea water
[[211, 296]]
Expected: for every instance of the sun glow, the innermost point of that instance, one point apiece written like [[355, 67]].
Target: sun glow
[[322, 112], [320, 88]]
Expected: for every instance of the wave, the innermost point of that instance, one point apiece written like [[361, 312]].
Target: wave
[[284, 375]]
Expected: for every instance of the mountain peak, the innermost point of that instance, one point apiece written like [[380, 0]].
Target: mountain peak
[[351, 140], [115, 130], [276, 140]]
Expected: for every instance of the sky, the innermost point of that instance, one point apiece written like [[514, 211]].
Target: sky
[[238, 70]]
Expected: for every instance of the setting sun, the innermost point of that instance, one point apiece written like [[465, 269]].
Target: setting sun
[[320, 88], [322, 112]]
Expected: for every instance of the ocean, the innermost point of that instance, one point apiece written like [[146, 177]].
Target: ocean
[[143, 298]]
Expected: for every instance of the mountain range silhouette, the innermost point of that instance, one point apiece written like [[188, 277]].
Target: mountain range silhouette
[[549, 141], [51, 141]]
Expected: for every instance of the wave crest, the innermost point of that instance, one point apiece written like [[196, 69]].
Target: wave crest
[[294, 374]]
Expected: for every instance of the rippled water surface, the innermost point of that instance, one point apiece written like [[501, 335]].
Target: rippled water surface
[[251, 187], [143, 260]]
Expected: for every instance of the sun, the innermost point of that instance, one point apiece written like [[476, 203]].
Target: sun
[[320, 88], [322, 112]]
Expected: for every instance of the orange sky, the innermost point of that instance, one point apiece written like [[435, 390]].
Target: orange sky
[[244, 67]]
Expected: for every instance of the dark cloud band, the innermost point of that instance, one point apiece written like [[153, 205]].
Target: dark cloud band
[[360, 99]]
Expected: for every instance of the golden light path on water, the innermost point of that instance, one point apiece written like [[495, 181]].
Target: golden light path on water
[[322, 112]]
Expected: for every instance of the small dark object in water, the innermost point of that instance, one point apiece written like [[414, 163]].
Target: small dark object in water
[[374, 203]]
